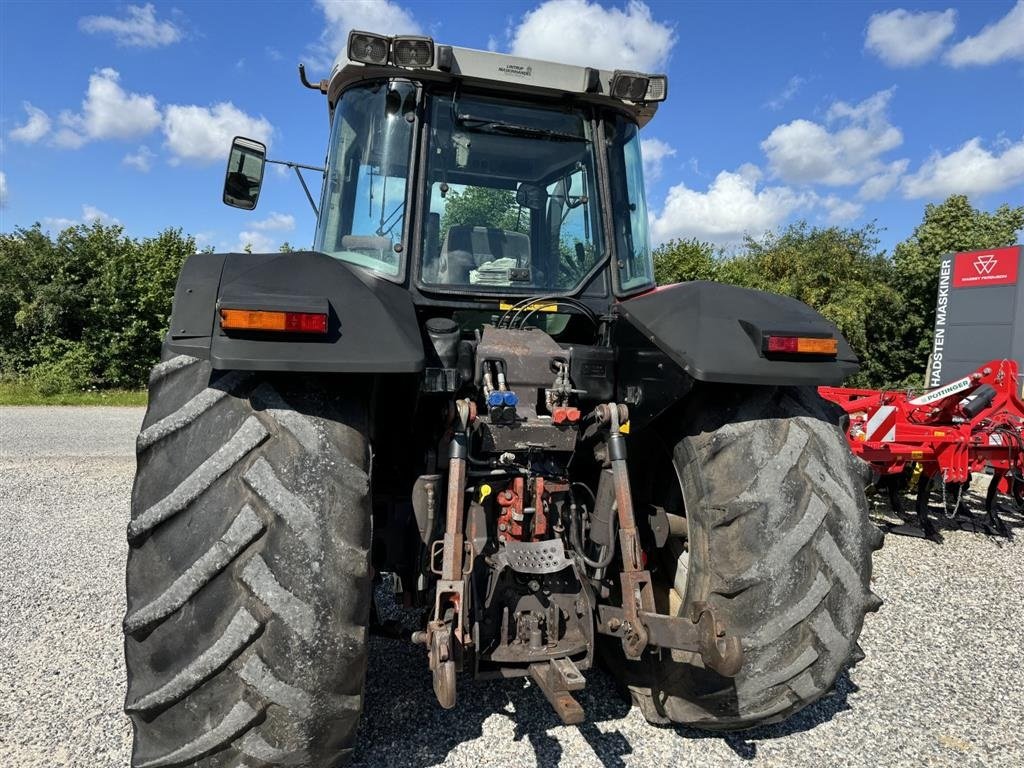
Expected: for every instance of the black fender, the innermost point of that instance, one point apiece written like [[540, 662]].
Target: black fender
[[714, 332], [372, 325]]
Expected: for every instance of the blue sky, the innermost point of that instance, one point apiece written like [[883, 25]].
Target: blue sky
[[833, 112]]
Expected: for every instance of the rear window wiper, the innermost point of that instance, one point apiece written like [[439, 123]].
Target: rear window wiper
[[484, 125]]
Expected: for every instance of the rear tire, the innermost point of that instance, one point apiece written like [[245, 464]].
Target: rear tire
[[248, 570], [779, 546]]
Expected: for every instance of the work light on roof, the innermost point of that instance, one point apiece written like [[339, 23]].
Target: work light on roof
[[416, 52], [368, 48], [408, 51], [638, 87]]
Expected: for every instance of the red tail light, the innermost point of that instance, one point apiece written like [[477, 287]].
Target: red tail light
[[261, 320], [801, 345]]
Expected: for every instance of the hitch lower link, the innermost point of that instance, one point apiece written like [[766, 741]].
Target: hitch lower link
[[637, 591], [446, 634], [699, 633], [636, 623]]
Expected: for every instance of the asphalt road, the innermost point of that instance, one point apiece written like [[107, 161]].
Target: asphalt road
[[941, 685]]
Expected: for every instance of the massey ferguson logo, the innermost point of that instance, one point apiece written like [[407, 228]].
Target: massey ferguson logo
[[981, 269], [985, 263]]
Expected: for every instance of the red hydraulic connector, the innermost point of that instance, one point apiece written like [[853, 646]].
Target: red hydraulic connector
[[563, 415]]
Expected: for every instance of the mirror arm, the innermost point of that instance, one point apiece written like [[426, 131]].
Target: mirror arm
[[321, 86], [295, 167], [309, 197]]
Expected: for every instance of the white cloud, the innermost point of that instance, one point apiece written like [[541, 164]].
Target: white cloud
[[141, 160], [108, 112], [585, 33], [90, 214], [54, 224], [793, 86], [276, 221], [139, 29], [3, 189], [342, 16], [35, 127], [969, 170], [1000, 41], [806, 152], [204, 135], [203, 240], [881, 184], [255, 241], [904, 38], [192, 132], [732, 206], [840, 211], [654, 152]]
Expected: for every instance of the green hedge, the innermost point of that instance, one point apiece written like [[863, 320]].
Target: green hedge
[[87, 309]]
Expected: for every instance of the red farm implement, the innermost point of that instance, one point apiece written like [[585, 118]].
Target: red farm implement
[[969, 425]]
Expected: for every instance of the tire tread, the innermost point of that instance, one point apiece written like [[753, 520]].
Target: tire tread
[[250, 513]]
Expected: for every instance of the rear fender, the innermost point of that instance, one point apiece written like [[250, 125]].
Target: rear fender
[[714, 331], [372, 324]]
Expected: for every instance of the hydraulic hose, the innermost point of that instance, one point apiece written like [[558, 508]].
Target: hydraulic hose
[[609, 550]]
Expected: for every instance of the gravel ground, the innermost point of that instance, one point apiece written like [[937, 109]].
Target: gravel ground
[[941, 684]]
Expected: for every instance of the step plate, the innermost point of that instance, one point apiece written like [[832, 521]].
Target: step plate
[[538, 557]]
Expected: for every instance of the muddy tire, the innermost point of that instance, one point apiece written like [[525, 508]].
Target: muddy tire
[[780, 547], [248, 570]]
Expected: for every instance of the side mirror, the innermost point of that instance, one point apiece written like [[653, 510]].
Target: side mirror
[[244, 176], [531, 196]]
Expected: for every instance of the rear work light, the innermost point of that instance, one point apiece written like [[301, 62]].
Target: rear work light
[[801, 345], [261, 320], [629, 86], [368, 48], [417, 52], [638, 87]]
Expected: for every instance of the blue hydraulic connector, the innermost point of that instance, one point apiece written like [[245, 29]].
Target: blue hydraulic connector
[[510, 398], [496, 398]]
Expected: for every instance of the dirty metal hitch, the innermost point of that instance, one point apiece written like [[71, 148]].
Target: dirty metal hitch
[[557, 680], [636, 623], [637, 592], [699, 633], [446, 635]]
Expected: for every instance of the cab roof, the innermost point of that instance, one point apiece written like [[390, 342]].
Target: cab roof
[[498, 72]]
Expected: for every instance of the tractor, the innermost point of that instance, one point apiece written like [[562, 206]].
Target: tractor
[[472, 390]]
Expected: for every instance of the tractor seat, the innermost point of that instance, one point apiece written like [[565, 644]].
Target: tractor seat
[[466, 248]]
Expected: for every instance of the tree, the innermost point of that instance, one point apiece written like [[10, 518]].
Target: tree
[[483, 207], [133, 293], [88, 307], [954, 225], [686, 259]]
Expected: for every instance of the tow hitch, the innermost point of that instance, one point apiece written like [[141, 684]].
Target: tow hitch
[[700, 633]]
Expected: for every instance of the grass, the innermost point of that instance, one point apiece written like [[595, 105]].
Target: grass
[[15, 392]]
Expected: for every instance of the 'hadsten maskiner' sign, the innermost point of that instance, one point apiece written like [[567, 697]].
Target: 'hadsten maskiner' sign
[[979, 312]]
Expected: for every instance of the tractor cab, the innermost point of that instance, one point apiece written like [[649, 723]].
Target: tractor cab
[[465, 175]]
